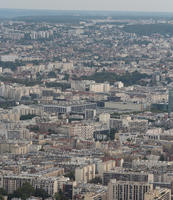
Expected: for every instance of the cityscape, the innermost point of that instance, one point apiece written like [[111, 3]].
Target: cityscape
[[86, 105]]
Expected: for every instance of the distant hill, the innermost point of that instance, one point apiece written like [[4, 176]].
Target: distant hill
[[13, 13]]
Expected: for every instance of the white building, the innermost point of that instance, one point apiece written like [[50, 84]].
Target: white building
[[100, 87], [82, 130], [119, 84], [9, 58], [104, 118]]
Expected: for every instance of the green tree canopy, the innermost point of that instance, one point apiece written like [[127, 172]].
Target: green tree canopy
[[27, 190], [71, 175], [60, 196], [41, 193], [24, 192], [3, 192], [51, 74]]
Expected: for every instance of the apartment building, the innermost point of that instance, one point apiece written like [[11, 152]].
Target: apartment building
[[85, 173], [122, 175], [12, 182], [12, 147], [127, 190], [50, 184], [105, 166], [82, 130]]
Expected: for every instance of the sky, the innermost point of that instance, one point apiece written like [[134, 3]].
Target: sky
[[115, 5]]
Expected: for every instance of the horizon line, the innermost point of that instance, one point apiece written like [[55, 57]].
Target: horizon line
[[91, 10]]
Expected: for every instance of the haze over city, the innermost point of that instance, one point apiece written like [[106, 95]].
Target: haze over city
[[118, 5]]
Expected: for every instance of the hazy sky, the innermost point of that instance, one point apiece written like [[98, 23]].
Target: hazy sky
[[124, 5]]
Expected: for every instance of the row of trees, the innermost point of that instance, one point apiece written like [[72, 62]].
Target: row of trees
[[127, 78], [27, 190], [25, 82], [26, 117], [150, 29], [2, 193], [13, 65], [64, 86]]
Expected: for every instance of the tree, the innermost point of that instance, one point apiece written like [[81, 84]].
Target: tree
[[66, 77], [71, 175], [112, 134], [60, 196], [127, 78], [33, 128], [96, 180], [42, 149], [51, 74], [27, 190], [41, 193], [27, 117], [3, 192], [51, 131], [64, 86], [145, 158], [149, 29], [24, 192], [162, 158], [38, 75]]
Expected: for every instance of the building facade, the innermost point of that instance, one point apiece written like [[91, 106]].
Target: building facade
[[158, 194], [127, 190]]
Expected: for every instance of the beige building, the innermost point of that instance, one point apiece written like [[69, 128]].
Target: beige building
[[52, 172], [105, 166], [137, 125], [85, 173], [16, 112], [61, 180], [127, 190], [158, 194], [50, 184], [82, 130], [9, 115], [27, 110], [12, 183], [15, 148], [127, 106]]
